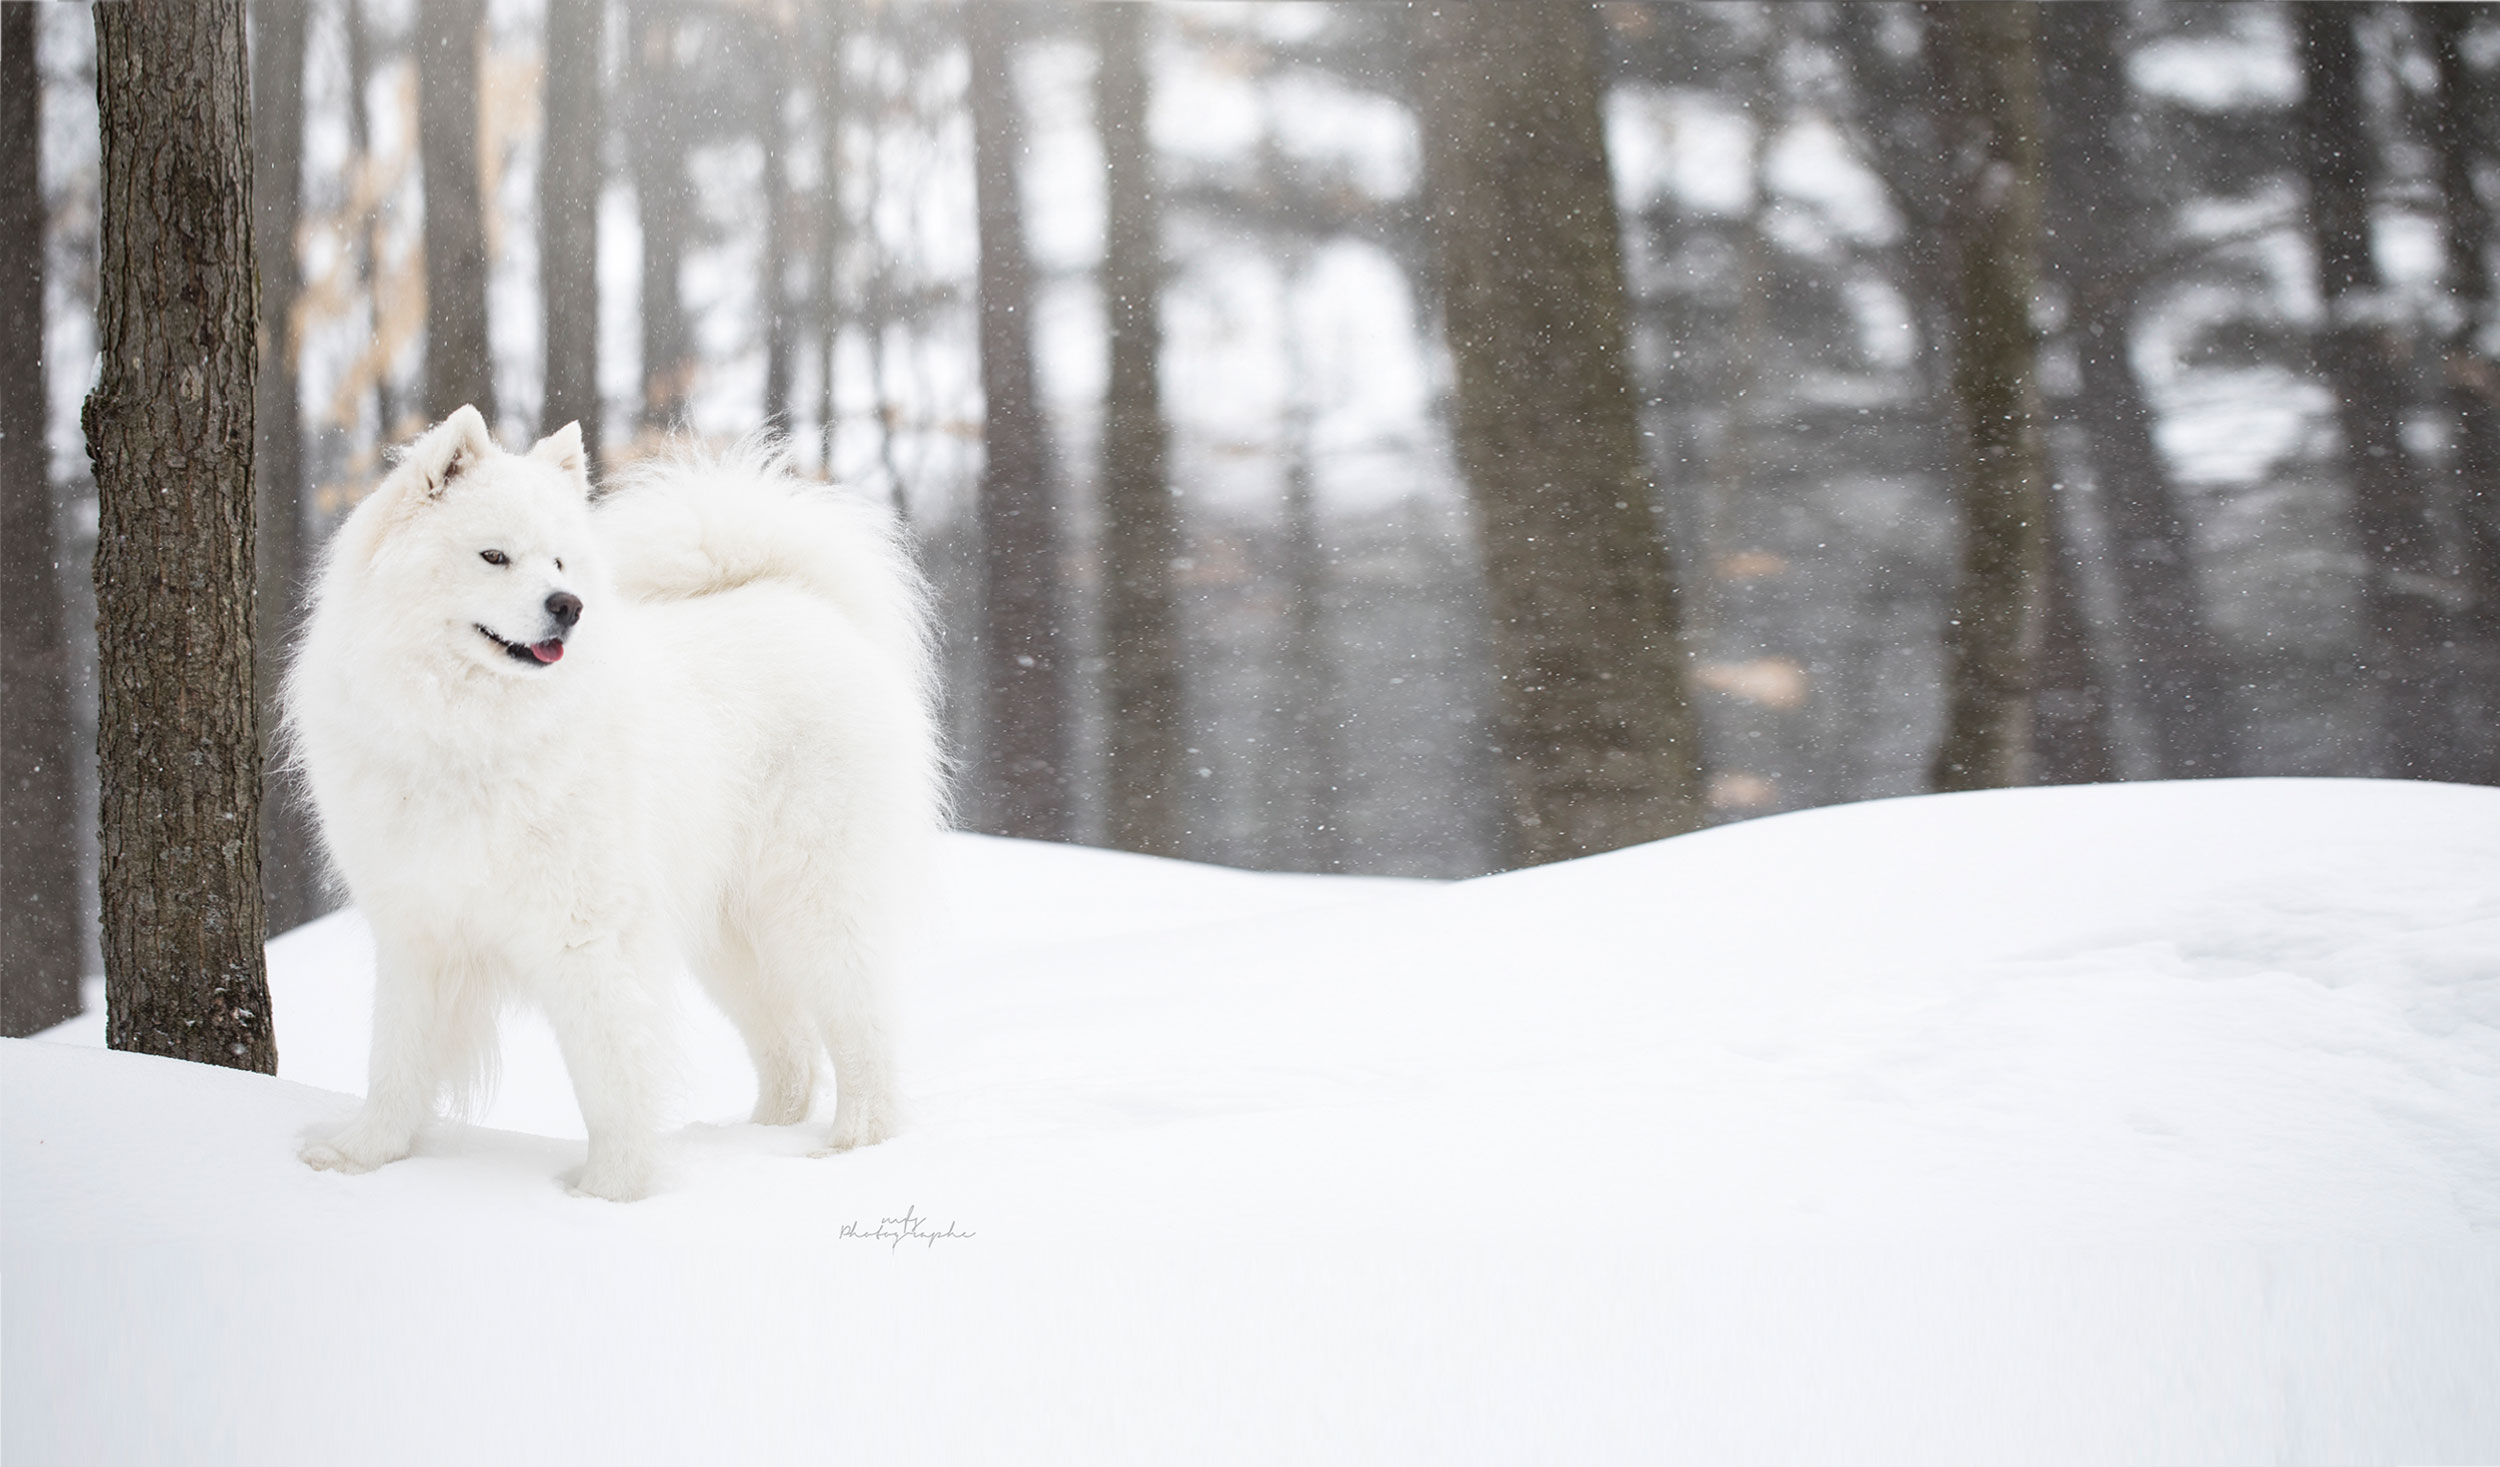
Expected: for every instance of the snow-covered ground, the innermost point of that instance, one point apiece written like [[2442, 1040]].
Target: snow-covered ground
[[2144, 1122]]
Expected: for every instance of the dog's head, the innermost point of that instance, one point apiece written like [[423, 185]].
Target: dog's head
[[489, 552]]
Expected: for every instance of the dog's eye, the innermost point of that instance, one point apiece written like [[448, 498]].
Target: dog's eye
[[559, 565], [494, 557]]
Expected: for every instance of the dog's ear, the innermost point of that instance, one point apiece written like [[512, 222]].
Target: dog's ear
[[563, 448], [449, 449]]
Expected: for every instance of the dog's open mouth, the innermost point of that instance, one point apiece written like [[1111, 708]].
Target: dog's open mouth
[[536, 654]]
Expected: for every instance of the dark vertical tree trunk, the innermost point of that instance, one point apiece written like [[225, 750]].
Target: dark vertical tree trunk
[[664, 196], [2071, 725], [1141, 524], [2174, 667], [169, 430], [1596, 731], [1992, 638], [38, 835], [1314, 762], [827, 39], [388, 410], [780, 220], [2362, 358], [458, 368], [570, 179], [2465, 131], [1024, 773], [290, 880]]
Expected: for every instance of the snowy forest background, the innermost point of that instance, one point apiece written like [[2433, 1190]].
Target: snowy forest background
[[788, 208]]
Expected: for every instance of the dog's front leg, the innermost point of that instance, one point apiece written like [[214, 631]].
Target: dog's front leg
[[411, 1020], [609, 1021]]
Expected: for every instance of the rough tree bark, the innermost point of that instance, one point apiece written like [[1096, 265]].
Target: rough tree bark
[[38, 834], [1596, 731], [290, 878], [2361, 354], [664, 196], [2174, 667], [1992, 225], [169, 430], [1024, 753], [458, 368], [2464, 130], [570, 178], [1141, 523]]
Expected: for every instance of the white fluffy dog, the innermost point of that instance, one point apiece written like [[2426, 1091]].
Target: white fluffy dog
[[561, 749]]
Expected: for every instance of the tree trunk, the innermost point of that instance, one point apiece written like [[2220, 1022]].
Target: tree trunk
[[290, 876], [2362, 358], [1024, 765], [388, 410], [826, 38], [1314, 762], [775, 36], [1596, 732], [571, 176], [38, 834], [458, 368], [664, 196], [169, 430], [2464, 134], [1992, 638], [2174, 666], [2071, 726], [1141, 526]]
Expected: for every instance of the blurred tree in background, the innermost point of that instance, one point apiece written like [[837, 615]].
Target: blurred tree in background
[[39, 910]]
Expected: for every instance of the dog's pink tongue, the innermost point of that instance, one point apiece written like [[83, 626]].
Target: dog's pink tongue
[[547, 651]]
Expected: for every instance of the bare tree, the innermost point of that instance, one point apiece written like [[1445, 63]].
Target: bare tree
[[2071, 722], [664, 200], [2361, 353], [1025, 737], [1596, 731], [2464, 131], [1992, 225], [1141, 523], [2101, 234], [775, 36], [289, 873], [825, 38], [38, 878], [1314, 776], [169, 430], [570, 177], [458, 367]]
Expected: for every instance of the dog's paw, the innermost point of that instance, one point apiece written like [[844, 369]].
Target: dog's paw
[[779, 1111], [855, 1127], [612, 1181], [347, 1153]]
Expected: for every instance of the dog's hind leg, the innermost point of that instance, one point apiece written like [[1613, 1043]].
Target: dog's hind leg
[[842, 978], [778, 1033]]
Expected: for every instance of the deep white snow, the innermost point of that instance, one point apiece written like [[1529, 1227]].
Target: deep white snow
[[2140, 1122]]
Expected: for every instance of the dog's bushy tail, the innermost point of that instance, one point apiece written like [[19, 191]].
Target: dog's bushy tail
[[692, 521]]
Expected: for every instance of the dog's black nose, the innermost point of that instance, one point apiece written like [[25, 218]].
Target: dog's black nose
[[565, 607]]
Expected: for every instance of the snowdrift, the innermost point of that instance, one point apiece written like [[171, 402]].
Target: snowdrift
[[2123, 1123]]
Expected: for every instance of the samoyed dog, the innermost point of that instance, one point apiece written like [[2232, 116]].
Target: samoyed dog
[[563, 749]]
